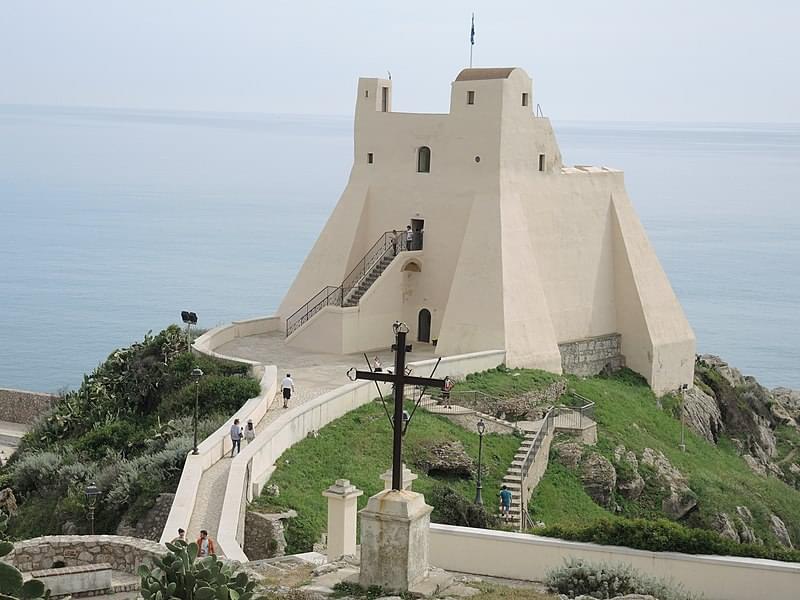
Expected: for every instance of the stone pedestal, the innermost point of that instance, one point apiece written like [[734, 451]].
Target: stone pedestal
[[394, 540], [408, 478], [342, 504]]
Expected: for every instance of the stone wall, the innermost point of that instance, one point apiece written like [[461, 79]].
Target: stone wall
[[19, 406], [469, 421], [151, 525], [122, 553], [264, 534], [591, 355]]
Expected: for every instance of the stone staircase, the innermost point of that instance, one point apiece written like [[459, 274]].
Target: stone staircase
[[354, 296], [513, 477]]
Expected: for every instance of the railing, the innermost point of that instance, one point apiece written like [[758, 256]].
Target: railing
[[390, 243], [327, 296]]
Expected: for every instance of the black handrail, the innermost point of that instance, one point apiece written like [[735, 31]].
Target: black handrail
[[390, 243]]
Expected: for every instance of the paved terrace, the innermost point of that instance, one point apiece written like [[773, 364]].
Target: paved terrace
[[314, 373]]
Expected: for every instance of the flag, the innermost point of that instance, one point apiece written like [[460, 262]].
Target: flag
[[472, 32]]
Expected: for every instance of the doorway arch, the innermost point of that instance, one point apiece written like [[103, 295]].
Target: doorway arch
[[424, 326]]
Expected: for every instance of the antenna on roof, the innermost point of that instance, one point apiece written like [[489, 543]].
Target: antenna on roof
[[471, 39]]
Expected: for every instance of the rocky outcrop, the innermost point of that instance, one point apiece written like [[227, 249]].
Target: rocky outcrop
[[264, 534], [151, 525], [8, 502], [680, 499], [569, 454], [445, 458], [786, 405], [599, 479], [630, 483], [724, 526], [529, 406], [779, 529], [744, 526], [702, 414]]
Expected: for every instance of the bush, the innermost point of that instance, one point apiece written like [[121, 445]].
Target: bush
[[119, 437], [578, 577], [663, 536], [214, 393], [451, 508]]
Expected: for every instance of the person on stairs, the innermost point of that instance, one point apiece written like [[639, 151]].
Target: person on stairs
[[205, 545], [505, 503]]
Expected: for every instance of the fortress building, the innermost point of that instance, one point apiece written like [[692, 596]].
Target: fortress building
[[509, 248]]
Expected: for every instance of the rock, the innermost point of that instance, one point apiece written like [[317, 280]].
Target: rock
[[272, 490], [151, 525], [8, 502], [69, 528], [754, 464], [702, 415], [731, 375], [446, 458], [744, 520], [599, 479], [680, 499], [789, 402], [629, 482], [779, 529], [569, 454], [724, 526]]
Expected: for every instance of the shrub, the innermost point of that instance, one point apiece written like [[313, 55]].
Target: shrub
[[451, 508], [602, 580], [215, 392], [120, 437], [663, 536], [37, 472]]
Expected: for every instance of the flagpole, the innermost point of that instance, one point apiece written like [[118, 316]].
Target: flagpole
[[471, 39]]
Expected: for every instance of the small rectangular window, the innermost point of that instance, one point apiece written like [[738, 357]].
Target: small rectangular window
[[370, 158], [541, 162], [471, 97], [384, 99], [366, 93], [524, 98]]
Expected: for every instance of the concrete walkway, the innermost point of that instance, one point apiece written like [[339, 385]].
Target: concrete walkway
[[10, 436], [314, 374]]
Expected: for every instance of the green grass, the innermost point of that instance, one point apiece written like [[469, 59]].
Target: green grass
[[627, 413], [358, 447], [504, 383]]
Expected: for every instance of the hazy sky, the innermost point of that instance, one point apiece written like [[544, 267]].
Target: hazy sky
[[677, 60]]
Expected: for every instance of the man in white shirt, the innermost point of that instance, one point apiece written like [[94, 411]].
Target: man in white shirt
[[288, 387], [409, 238]]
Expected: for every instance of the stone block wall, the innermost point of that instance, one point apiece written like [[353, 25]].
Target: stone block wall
[[591, 355], [122, 553], [264, 534], [23, 407]]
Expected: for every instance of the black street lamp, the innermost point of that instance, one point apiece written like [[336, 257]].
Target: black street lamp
[[481, 431], [92, 494], [197, 373], [190, 319]]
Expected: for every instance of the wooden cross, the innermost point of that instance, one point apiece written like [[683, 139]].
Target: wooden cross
[[400, 379]]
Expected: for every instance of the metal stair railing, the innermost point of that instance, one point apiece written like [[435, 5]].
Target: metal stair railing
[[389, 244]]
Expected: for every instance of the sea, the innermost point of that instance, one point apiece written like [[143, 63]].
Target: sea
[[113, 221]]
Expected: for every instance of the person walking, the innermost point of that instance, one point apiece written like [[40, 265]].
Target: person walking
[[249, 431], [288, 387], [409, 237], [236, 437], [394, 242], [448, 385], [505, 502], [205, 545]]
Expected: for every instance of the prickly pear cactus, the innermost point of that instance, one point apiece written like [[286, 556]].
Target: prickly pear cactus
[[11, 585], [179, 575]]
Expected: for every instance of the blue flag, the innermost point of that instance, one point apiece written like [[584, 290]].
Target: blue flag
[[472, 31]]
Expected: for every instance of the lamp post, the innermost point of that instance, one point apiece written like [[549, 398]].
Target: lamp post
[[481, 431], [683, 389], [92, 493], [190, 318], [197, 373]]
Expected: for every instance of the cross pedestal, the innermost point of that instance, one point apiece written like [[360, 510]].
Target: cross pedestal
[[408, 478], [342, 497], [394, 540]]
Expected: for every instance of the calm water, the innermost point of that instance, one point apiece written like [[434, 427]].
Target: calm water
[[112, 222]]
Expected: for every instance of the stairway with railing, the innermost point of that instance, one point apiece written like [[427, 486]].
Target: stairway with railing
[[355, 284]]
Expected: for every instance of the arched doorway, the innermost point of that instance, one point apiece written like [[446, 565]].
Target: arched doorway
[[424, 326]]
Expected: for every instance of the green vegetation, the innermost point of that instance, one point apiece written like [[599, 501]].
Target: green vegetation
[[358, 446], [11, 582], [578, 577], [179, 575], [507, 383], [127, 428]]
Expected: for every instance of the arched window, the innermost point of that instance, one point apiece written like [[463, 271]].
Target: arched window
[[424, 160]]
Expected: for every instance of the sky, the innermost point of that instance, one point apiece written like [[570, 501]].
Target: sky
[[617, 60]]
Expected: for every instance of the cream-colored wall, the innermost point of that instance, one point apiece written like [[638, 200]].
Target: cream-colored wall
[[529, 557], [513, 257]]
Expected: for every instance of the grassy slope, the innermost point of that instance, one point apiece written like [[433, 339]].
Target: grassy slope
[[627, 413], [357, 447]]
